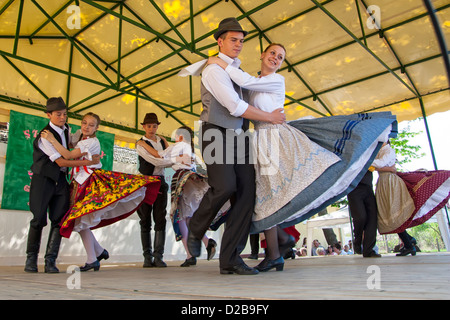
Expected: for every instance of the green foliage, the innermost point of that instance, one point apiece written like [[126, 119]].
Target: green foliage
[[341, 203], [427, 235], [404, 150]]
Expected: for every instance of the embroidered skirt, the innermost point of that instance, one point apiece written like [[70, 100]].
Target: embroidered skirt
[[286, 163], [187, 190], [356, 140], [106, 197]]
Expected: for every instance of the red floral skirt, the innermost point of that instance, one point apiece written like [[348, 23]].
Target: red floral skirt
[[107, 197], [430, 191]]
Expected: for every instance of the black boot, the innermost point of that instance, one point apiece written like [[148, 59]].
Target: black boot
[[160, 239], [54, 241], [146, 240], [33, 245]]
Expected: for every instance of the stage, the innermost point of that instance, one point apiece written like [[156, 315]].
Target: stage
[[425, 276]]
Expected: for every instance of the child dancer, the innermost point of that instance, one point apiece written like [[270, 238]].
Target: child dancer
[[99, 197], [155, 214], [49, 190], [187, 190]]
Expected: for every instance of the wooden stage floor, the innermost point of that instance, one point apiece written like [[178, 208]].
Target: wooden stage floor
[[425, 276]]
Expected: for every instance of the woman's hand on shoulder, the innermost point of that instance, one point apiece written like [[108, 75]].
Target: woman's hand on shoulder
[[213, 60], [47, 135], [218, 61]]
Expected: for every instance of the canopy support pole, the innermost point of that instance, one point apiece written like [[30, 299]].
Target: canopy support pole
[[444, 229], [69, 76], [445, 56], [439, 35]]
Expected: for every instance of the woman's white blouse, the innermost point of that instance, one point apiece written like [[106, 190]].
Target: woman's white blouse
[[385, 157], [266, 93], [91, 146]]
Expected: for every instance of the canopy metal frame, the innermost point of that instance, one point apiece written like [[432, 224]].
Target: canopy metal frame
[[185, 47], [182, 46]]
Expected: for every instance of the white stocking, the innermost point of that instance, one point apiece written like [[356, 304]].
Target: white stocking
[[91, 245]]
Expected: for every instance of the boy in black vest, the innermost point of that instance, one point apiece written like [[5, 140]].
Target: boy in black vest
[[151, 165], [49, 190]]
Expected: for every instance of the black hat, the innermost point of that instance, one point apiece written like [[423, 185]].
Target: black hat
[[228, 24], [54, 104], [151, 118]]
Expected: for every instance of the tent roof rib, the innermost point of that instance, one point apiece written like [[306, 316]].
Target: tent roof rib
[[123, 58]]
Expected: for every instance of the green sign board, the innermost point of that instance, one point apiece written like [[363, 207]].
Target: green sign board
[[23, 129]]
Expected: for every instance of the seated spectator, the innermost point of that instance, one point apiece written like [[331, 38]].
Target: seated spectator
[[330, 251], [347, 249], [320, 251], [316, 244], [302, 252], [338, 250]]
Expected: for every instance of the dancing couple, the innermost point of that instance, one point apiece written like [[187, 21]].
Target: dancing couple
[[407, 199], [95, 197], [317, 161]]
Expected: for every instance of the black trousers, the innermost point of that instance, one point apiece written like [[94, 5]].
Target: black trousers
[[363, 209], [158, 210], [49, 196], [406, 238], [254, 243], [232, 178]]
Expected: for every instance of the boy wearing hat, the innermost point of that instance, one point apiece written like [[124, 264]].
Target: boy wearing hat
[[226, 113], [49, 190], [151, 165]]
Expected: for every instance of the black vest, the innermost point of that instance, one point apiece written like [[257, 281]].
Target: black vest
[[146, 167], [41, 162], [213, 112]]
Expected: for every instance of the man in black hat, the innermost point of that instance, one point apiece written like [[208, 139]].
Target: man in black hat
[[151, 165], [225, 113], [49, 190]]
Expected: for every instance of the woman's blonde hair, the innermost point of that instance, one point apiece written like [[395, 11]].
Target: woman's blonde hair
[[275, 44]]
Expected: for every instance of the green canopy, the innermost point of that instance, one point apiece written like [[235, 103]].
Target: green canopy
[[120, 59]]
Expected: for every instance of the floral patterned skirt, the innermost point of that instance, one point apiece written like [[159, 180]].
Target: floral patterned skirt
[[106, 197]]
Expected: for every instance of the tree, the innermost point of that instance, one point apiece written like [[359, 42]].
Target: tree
[[404, 150]]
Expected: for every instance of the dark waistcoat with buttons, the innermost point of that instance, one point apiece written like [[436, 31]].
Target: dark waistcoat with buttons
[[146, 167], [42, 164]]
